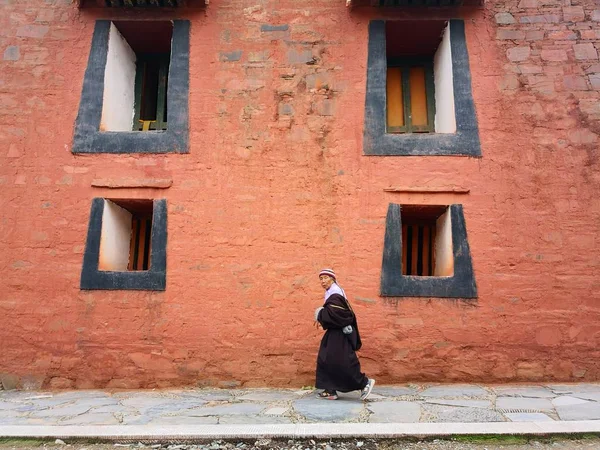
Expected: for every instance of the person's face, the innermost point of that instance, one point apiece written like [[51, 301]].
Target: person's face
[[326, 281]]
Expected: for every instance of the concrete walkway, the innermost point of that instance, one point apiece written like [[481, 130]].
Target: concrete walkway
[[391, 411]]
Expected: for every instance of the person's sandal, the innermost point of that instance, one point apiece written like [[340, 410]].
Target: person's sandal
[[327, 395]]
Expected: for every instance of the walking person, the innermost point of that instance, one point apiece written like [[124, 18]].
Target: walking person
[[338, 368]]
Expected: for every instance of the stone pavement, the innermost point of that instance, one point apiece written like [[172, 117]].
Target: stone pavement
[[407, 404]]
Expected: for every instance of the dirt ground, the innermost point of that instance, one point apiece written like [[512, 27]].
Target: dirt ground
[[459, 443]]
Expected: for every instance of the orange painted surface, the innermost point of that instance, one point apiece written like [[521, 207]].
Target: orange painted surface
[[418, 97], [394, 99], [264, 200]]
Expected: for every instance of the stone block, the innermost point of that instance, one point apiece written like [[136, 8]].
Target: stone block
[[590, 34], [285, 109], [565, 400], [596, 15], [587, 411], [595, 80], [582, 136], [554, 55], [503, 34], [543, 18], [454, 391], [510, 82], [562, 35], [504, 18], [32, 31], [315, 409], [11, 53], [233, 56], [9, 381], [394, 412], [535, 35], [268, 28], [585, 51], [321, 80], [524, 391], [571, 83], [521, 53], [528, 4], [300, 57], [324, 107], [573, 14]]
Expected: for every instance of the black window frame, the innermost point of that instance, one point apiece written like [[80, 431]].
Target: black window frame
[[393, 284], [377, 142], [153, 279], [175, 139]]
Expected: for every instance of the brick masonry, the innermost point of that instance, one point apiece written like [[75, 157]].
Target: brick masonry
[[276, 186]]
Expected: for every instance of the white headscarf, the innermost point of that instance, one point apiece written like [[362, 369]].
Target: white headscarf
[[334, 289]]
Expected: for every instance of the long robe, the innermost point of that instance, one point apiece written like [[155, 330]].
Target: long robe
[[338, 368]]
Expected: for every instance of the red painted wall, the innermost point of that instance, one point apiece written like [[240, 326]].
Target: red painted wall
[[264, 200]]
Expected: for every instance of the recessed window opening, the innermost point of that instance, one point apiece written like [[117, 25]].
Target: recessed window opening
[[418, 66], [136, 76], [426, 241], [125, 240]]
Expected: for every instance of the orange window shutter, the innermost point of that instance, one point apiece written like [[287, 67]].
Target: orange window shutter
[[418, 96], [395, 103], [404, 248]]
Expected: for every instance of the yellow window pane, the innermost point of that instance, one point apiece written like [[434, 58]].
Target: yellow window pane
[[395, 105], [418, 96]]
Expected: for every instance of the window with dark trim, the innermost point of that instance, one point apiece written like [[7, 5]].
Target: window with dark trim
[[126, 245], [426, 253], [446, 100], [135, 91]]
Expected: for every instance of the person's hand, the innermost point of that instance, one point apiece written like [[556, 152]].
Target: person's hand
[[317, 311]]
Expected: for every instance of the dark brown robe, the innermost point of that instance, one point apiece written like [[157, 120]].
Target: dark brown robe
[[338, 368]]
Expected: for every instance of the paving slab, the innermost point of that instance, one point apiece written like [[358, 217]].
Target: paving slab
[[465, 403], [394, 412], [442, 413], [595, 396], [529, 417], [525, 391], [393, 391], [317, 409], [210, 396], [538, 404], [586, 411], [67, 411], [567, 388], [277, 411], [91, 419], [223, 410], [565, 400], [268, 396], [454, 390]]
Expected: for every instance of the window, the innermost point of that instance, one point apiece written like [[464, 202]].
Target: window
[[135, 92], [418, 99], [426, 240], [136, 76], [426, 253], [151, 77], [126, 245], [410, 97]]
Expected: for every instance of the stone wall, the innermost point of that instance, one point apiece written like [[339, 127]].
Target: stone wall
[[276, 186]]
